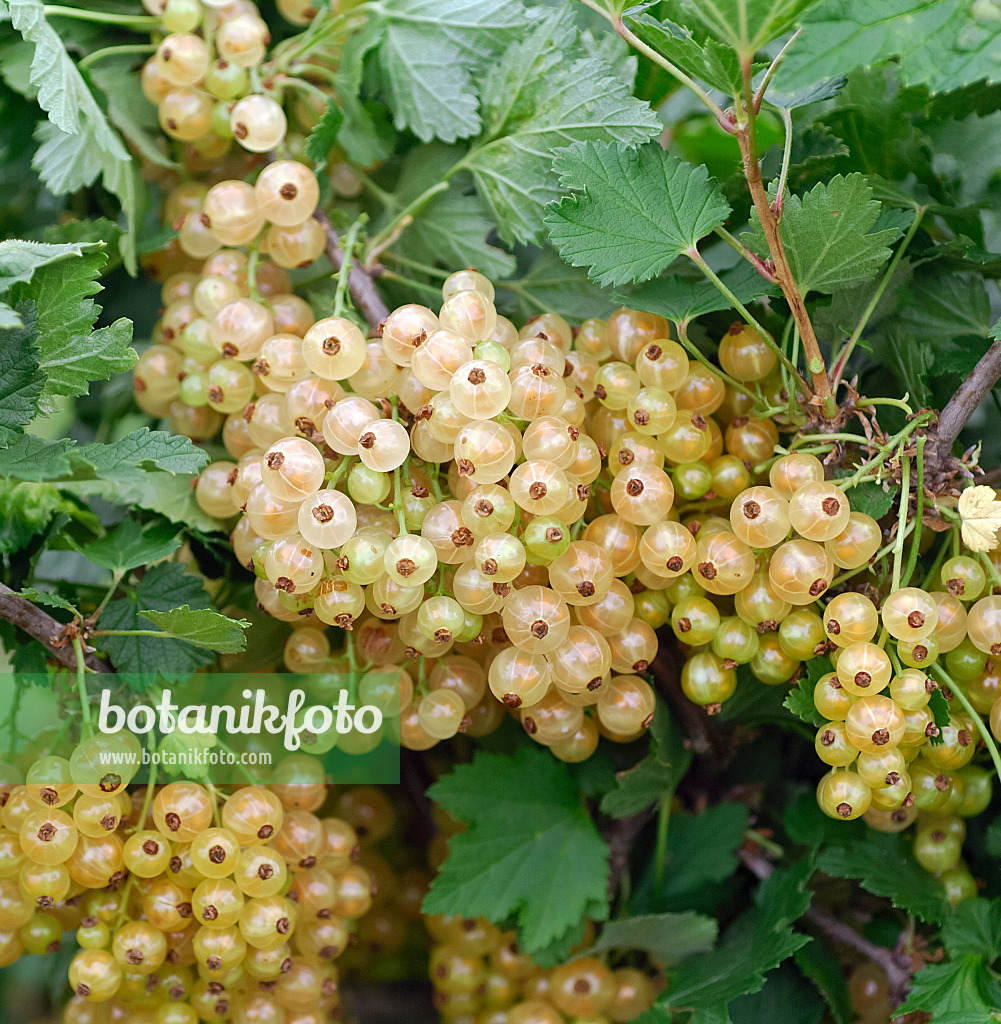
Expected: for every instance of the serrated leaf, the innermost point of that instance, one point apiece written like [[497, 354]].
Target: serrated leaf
[[668, 938], [909, 357], [452, 231], [963, 991], [26, 457], [129, 110], [938, 43], [72, 353], [980, 514], [364, 137], [873, 499], [132, 543], [960, 360], [428, 53], [828, 235], [21, 378], [48, 598], [884, 866], [655, 777], [706, 59], [681, 300], [323, 137], [786, 997], [202, 627], [757, 942], [164, 587], [143, 449], [823, 969], [78, 143], [632, 211], [20, 259], [701, 852], [551, 286], [974, 927], [538, 99], [818, 92], [799, 700], [937, 305], [512, 825], [747, 25]]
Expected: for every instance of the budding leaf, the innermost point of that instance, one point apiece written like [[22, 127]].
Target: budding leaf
[[631, 211], [962, 991]]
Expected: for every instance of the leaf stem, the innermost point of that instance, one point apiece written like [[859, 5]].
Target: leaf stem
[[344, 274], [725, 121], [693, 349], [748, 140], [786, 159], [842, 359], [770, 73], [905, 501], [985, 733], [81, 687], [115, 51], [404, 219], [756, 261], [696, 258], [912, 556], [133, 22]]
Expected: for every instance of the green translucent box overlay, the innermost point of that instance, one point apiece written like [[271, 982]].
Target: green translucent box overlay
[[219, 728]]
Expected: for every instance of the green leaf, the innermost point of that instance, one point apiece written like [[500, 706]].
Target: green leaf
[[21, 379], [323, 137], [633, 211], [909, 357], [873, 499], [163, 588], [521, 810], [367, 135], [536, 100], [706, 59], [132, 543], [974, 927], [129, 110], [203, 627], [786, 998], [823, 969], [828, 235], [428, 55], [656, 776], [48, 598], [938, 305], [668, 938], [20, 259], [799, 700], [72, 353], [550, 286], [939, 708], [78, 143], [747, 25], [963, 991], [757, 942], [701, 851], [961, 360], [170, 495], [452, 231], [30, 510], [143, 449], [883, 865], [681, 300], [26, 457], [938, 43]]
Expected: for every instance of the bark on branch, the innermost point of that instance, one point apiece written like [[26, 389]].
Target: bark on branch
[[45, 629], [362, 285], [895, 963], [964, 402]]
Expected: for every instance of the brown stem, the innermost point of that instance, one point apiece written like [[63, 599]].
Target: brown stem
[[991, 478], [895, 963], [363, 290], [45, 629], [747, 139], [965, 401], [620, 834]]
